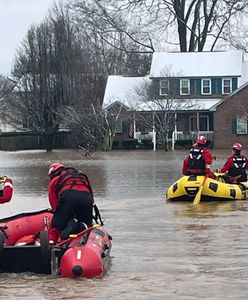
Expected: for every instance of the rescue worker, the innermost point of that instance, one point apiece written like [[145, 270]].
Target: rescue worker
[[199, 160], [235, 166], [6, 189], [71, 198]]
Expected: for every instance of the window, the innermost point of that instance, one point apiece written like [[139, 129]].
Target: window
[[242, 125], [164, 87], [184, 87], [203, 123], [206, 87], [118, 127], [226, 86]]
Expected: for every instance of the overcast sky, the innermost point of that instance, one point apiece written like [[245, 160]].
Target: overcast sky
[[16, 16]]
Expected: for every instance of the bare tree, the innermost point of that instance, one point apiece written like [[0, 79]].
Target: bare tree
[[120, 50], [158, 113], [143, 26], [6, 86], [40, 89], [6, 90], [93, 128], [53, 68]]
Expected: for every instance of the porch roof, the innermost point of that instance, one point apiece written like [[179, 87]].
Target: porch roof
[[182, 105]]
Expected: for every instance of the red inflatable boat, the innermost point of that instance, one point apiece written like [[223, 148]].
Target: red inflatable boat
[[24, 247]]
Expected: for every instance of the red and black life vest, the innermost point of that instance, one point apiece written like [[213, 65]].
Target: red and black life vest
[[196, 162], [239, 166], [72, 177]]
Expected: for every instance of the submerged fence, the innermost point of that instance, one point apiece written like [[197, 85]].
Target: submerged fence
[[13, 141]]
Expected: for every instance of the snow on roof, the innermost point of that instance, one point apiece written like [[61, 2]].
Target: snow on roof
[[178, 105], [204, 104], [124, 90], [197, 64], [244, 78]]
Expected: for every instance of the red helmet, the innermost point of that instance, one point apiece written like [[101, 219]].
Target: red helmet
[[54, 167], [201, 140], [237, 146]]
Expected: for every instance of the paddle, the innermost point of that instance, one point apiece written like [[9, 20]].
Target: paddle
[[198, 195], [3, 179], [244, 185], [73, 236]]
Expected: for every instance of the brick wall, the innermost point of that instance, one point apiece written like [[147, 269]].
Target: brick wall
[[235, 105]]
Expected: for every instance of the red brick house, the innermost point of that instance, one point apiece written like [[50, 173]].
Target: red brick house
[[230, 120]]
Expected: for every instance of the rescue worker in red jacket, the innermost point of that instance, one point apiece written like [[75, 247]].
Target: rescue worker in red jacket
[[199, 160], [235, 166], [71, 197], [6, 189]]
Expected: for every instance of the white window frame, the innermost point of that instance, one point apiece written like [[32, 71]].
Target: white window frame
[[164, 87], [226, 86], [208, 86], [184, 84], [241, 123], [200, 117]]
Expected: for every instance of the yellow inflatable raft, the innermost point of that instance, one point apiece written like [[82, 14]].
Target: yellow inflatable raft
[[186, 188]]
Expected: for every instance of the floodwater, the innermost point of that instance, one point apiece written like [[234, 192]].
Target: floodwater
[[160, 250]]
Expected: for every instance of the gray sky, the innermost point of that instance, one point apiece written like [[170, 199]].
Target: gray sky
[[16, 16]]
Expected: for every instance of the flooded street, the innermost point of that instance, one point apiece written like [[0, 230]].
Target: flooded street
[[160, 250]]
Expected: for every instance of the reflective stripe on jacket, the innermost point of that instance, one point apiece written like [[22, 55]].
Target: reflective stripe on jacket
[[238, 167]]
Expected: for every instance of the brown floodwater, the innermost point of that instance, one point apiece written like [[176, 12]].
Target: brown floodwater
[[160, 250]]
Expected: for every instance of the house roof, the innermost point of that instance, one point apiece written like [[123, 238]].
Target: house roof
[[197, 64], [123, 90]]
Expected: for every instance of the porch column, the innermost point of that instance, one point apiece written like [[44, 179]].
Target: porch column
[[174, 134], [197, 123], [153, 133], [134, 126]]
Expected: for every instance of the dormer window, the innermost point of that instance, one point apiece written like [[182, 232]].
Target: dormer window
[[164, 87], [184, 87], [226, 86], [206, 87]]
